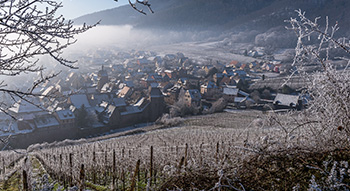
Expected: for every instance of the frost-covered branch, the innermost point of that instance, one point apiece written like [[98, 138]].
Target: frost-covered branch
[[329, 88], [28, 31], [141, 2]]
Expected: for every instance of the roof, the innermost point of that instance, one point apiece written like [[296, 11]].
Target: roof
[[218, 75], [107, 87], [65, 114], [142, 61], [25, 107], [46, 121], [234, 62], [210, 84], [99, 98], [119, 102], [155, 92], [240, 72], [183, 80], [110, 110], [294, 82], [48, 91], [194, 93], [124, 91], [229, 72], [240, 99], [7, 125], [130, 110], [231, 91], [139, 103], [129, 83], [78, 100], [286, 100], [142, 103], [243, 93], [154, 85]]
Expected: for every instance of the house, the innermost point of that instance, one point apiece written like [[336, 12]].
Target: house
[[118, 102], [277, 68], [181, 73], [158, 59], [242, 102], [125, 92], [228, 72], [170, 57], [208, 68], [268, 66], [235, 64], [97, 99], [172, 94], [241, 73], [182, 81], [166, 78], [66, 118], [285, 101], [180, 55], [253, 65], [50, 92], [192, 82], [144, 110], [209, 88], [117, 68], [233, 94], [156, 77], [255, 53], [244, 67], [217, 78], [229, 93], [78, 100], [142, 61], [25, 110], [75, 80], [171, 74], [151, 78], [45, 122], [90, 90], [227, 81], [129, 83], [193, 97]]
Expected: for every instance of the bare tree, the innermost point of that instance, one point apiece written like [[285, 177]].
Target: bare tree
[[28, 32], [328, 117], [30, 29]]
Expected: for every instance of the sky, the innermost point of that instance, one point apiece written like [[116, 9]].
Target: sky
[[74, 8]]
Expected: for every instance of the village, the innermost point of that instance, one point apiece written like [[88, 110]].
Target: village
[[105, 97]]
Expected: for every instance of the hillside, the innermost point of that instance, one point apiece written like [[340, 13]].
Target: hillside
[[220, 14], [227, 151]]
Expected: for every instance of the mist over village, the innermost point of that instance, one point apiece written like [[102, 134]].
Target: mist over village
[[175, 95]]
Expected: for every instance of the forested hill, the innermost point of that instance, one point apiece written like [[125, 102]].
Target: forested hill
[[221, 14]]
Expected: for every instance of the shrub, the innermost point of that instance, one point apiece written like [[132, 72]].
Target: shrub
[[168, 121], [217, 106]]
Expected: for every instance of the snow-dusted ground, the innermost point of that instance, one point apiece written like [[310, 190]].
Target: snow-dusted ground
[[202, 51]]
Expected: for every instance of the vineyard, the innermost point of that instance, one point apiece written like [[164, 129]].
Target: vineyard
[[223, 151], [146, 161]]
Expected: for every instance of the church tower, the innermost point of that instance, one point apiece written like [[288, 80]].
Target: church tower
[[157, 105], [102, 78]]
